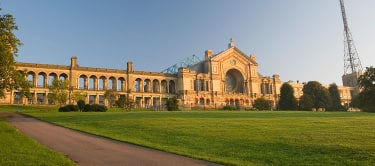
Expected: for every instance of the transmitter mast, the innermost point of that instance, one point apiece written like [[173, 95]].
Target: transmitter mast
[[352, 63]]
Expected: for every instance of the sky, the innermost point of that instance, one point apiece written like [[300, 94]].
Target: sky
[[297, 39]]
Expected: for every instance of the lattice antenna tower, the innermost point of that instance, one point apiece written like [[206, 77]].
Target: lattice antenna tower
[[352, 63]]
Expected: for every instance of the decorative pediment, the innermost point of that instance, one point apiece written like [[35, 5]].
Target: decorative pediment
[[233, 55]]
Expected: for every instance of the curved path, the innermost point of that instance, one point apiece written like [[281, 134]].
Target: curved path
[[87, 149]]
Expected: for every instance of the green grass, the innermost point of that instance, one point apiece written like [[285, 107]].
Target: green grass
[[18, 149], [238, 138], [27, 108]]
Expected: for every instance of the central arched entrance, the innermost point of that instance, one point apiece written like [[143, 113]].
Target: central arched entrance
[[234, 81]]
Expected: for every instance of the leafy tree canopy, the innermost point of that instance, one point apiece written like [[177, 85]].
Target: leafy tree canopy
[[10, 78], [335, 98], [59, 91], [110, 95], [319, 94], [262, 104], [79, 95], [81, 105], [172, 104], [125, 103], [287, 99], [365, 100], [306, 102], [367, 80]]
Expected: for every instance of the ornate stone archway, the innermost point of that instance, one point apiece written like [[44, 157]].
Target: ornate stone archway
[[234, 81]]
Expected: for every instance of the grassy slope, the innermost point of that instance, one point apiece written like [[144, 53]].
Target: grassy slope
[[17, 149], [239, 138]]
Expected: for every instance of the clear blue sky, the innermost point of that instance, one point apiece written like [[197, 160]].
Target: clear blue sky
[[297, 39]]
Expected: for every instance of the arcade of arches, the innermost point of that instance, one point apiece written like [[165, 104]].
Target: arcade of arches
[[229, 77]]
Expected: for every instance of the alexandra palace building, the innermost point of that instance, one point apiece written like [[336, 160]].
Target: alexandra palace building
[[229, 77]]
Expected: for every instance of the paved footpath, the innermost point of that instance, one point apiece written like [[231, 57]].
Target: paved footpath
[[87, 149]]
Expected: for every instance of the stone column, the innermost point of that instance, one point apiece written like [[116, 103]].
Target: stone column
[[35, 98], [45, 98], [96, 83], [114, 85], [35, 81], [45, 82], [123, 85], [96, 99], [105, 84], [86, 83], [141, 86]]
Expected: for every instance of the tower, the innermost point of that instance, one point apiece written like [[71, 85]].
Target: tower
[[352, 64]]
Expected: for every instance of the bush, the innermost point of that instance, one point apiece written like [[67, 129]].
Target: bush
[[229, 107], [81, 105], [87, 108], [68, 108], [95, 108], [172, 104], [262, 104]]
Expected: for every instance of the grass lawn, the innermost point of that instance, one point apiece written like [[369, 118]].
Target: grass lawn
[[18, 149], [238, 138]]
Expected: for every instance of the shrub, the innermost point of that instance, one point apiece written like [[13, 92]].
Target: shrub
[[68, 108], [172, 104], [95, 108], [81, 105], [87, 108], [125, 103], [229, 107], [262, 104]]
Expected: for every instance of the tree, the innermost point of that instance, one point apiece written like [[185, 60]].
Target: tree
[[81, 105], [335, 98], [367, 79], [262, 104], [172, 104], [79, 96], [287, 99], [110, 95], [319, 94], [59, 91], [365, 100], [125, 103], [306, 102], [10, 78]]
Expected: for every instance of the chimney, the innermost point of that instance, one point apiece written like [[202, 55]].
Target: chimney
[[129, 67], [73, 62]]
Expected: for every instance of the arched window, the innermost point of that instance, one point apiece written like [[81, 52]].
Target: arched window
[[93, 83], [42, 80], [147, 85], [201, 101], [63, 76], [164, 86], [155, 86], [120, 84], [110, 84], [31, 78], [234, 81], [82, 82], [172, 87], [51, 77], [102, 85], [137, 84]]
